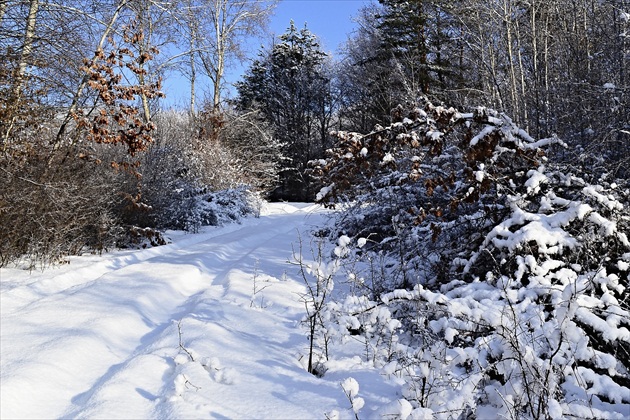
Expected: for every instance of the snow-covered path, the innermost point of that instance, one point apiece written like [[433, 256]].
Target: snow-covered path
[[168, 332]]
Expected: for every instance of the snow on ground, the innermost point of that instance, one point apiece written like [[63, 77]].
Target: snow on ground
[[170, 332]]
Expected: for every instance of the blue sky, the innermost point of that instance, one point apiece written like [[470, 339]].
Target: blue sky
[[330, 20]]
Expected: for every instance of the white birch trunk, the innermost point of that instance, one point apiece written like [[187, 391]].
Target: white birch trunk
[[29, 36]]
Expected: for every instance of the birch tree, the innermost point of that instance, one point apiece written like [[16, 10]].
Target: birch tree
[[3, 9], [220, 34], [27, 49], [154, 21], [22, 64]]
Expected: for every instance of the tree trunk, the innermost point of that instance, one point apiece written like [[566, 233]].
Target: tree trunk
[[3, 8], [510, 56], [522, 98], [29, 36], [27, 49], [146, 28], [192, 22], [221, 37], [143, 97], [625, 51], [193, 74]]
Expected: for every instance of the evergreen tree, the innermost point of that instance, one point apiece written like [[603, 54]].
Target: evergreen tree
[[422, 36], [291, 87], [369, 88], [402, 49], [404, 28]]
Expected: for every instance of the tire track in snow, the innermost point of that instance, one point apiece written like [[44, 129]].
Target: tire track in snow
[[212, 256], [84, 355], [40, 285]]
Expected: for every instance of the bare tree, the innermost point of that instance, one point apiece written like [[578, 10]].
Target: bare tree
[[153, 21], [29, 35], [22, 64], [84, 81], [224, 24], [192, 25]]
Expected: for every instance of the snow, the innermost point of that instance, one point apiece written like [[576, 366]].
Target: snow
[[513, 305], [536, 178], [486, 131], [609, 202], [170, 332], [214, 325], [435, 135], [539, 144], [324, 192], [351, 387]]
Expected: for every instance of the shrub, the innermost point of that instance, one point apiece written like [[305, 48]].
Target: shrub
[[191, 179], [502, 287], [50, 211]]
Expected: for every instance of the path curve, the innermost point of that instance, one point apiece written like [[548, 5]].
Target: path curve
[[100, 337]]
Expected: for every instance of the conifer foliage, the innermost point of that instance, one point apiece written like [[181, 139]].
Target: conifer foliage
[[290, 85]]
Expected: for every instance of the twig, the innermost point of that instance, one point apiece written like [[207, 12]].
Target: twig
[[197, 388], [181, 344]]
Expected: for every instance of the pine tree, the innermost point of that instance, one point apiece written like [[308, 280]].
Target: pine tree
[[404, 28], [401, 50], [423, 36], [369, 88], [291, 87]]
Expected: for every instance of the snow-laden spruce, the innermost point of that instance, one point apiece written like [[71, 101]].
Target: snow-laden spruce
[[488, 280]]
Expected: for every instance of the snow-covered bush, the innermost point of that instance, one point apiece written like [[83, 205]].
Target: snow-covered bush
[[259, 154], [190, 178], [198, 207], [421, 184], [503, 277]]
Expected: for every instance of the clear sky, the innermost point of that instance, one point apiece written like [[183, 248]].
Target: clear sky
[[330, 20]]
